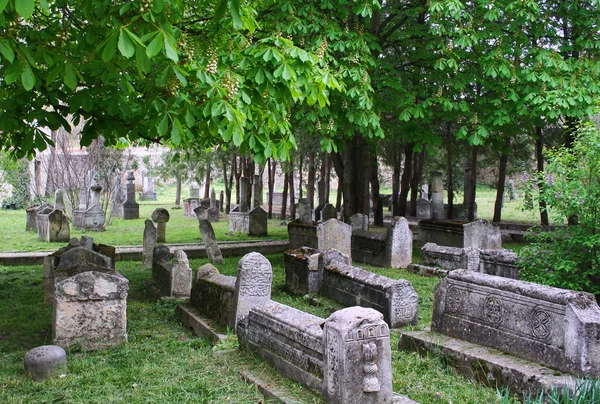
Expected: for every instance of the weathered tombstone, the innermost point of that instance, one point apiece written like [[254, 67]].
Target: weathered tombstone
[[59, 200], [482, 234], [302, 270], [160, 216], [304, 211], [328, 212], [149, 189], [32, 212], [45, 362], [86, 242], [118, 197], [212, 213], [357, 358], [208, 237], [149, 243], [91, 309], [194, 190], [91, 218], [181, 278], [189, 205], [399, 244], [253, 284], [317, 212], [499, 263], [131, 209], [221, 201], [243, 194], [360, 222], [170, 279], [335, 234], [437, 196], [257, 222], [425, 192], [53, 226], [201, 213], [423, 209], [256, 192]]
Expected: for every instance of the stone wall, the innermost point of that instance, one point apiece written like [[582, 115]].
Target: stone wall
[[212, 295]]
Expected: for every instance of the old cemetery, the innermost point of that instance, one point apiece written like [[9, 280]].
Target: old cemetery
[[169, 307]]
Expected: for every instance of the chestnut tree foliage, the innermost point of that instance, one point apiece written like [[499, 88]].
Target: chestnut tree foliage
[[178, 72]]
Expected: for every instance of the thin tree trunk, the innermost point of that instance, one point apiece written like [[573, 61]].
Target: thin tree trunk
[[414, 182], [500, 191], [207, 181], [338, 165], [540, 169], [292, 192], [395, 182], [375, 197], [327, 162], [224, 170], [364, 178], [300, 177], [271, 185], [471, 200], [449, 171], [310, 181], [284, 197], [237, 173], [177, 192], [405, 180]]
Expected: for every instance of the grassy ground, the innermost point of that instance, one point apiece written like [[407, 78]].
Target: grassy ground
[[164, 362]]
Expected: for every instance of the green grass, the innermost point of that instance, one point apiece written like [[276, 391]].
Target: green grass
[[164, 362]]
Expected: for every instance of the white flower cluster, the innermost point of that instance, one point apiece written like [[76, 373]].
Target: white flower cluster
[[145, 6]]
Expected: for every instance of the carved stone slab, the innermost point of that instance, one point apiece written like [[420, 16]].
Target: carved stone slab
[[253, 284]]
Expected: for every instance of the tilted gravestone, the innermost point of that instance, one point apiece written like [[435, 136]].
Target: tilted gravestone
[[53, 225], [212, 213], [161, 216], [359, 222], [253, 284], [149, 243], [554, 327], [208, 237]]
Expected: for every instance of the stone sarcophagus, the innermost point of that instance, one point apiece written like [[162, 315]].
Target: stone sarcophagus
[[479, 234], [391, 249], [329, 234], [554, 327]]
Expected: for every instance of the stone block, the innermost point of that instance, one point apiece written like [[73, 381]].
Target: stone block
[[53, 225], [450, 258], [359, 222], [213, 294], [45, 362], [328, 212], [239, 222], [479, 234], [334, 234], [555, 327], [499, 262], [302, 271], [149, 243], [304, 212], [253, 284], [257, 222], [398, 244]]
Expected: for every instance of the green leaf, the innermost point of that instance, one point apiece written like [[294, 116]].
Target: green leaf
[[13, 72], [28, 78], [176, 132], [163, 126], [235, 14], [6, 50], [155, 45], [142, 61], [27, 141], [70, 78], [111, 46], [25, 8], [126, 47], [3, 4], [170, 48], [220, 10], [189, 118]]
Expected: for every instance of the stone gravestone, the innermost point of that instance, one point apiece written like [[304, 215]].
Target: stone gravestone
[[59, 200], [482, 234], [304, 211], [149, 243], [243, 194], [253, 284], [131, 209], [425, 192], [437, 196], [161, 216], [399, 244], [257, 222], [208, 236], [212, 212], [194, 190], [335, 234], [357, 358], [149, 189], [328, 212], [181, 275], [424, 209], [359, 222], [118, 197], [53, 225]]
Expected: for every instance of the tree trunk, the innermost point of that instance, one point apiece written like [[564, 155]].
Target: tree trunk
[[540, 169], [177, 192], [271, 185], [310, 181], [355, 180], [327, 162], [338, 165], [292, 193], [284, 196], [237, 172], [301, 160], [395, 182], [450, 139], [207, 181], [405, 180], [415, 180], [471, 199], [375, 197], [500, 191]]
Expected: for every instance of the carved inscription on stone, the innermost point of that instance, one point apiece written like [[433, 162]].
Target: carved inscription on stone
[[256, 284], [368, 332], [455, 299], [333, 368], [405, 306], [370, 381], [541, 323], [493, 310]]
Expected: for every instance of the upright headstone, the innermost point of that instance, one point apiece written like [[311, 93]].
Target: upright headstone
[[149, 243], [181, 275], [208, 237], [357, 358], [59, 200], [359, 222], [161, 216], [243, 195], [437, 196], [328, 212], [194, 190], [253, 284], [53, 225], [256, 192], [212, 213], [118, 197], [425, 192], [257, 222], [399, 244], [335, 234], [149, 189], [304, 211], [131, 209]]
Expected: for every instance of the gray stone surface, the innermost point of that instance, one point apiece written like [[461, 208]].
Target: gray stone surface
[[302, 270], [148, 189], [358, 359], [171, 279], [244, 205], [328, 212], [424, 209], [80, 259], [353, 286], [161, 216], [425, 270], [253, 284], [116, 209], [59, 200], [450, 258], [45, 362], [437, 196], [210, 241], [479, 234], [32, 212], [181, 275], [256, 192], [304, 212], [189, 207], [150, 239], [200, 326], [239, 222], [90, 309], [483, 235], [499, 262], [359, 222], [398, 245], [194, 190], [317, 212], [213, 294], [131, 209], [212, 213], [53, 225], [555, 327], [334, 234], [257, 222]]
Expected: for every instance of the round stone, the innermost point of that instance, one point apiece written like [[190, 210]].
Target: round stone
[[45, 362]]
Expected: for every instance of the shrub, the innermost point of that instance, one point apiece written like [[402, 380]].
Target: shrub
[[568, 257]]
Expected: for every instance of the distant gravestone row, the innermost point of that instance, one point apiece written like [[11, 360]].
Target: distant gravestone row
[[250, 219]]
